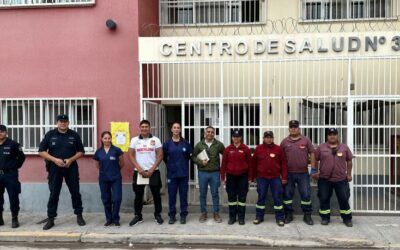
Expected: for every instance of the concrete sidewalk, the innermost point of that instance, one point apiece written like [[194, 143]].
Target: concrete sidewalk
[[368, 232]]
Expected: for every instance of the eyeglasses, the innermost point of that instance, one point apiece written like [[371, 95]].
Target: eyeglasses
[[293, 126]]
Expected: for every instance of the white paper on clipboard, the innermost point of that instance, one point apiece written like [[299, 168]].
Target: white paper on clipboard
[[203, 156], [141, 180]]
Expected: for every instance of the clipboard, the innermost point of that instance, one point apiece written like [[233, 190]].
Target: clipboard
[[141, 180], [203, 156]]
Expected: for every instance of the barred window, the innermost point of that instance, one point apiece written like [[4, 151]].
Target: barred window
[[28, 120], [347, 9], [189, 12], [44, 3]]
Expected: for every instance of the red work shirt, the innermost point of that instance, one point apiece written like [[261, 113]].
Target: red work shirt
[[269, 162], [296, 152], [236, 160], [333, 167]]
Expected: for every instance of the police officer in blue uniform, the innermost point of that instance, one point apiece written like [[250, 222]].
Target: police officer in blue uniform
[[177, 152], [61, 147], [109, 160], [11, 159]]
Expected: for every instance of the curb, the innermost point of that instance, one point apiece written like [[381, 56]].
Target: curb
[[40, 236]]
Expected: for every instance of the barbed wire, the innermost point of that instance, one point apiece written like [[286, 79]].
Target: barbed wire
[[269, 27]]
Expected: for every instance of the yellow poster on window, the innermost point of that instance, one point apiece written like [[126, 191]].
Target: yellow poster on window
[[120, 135]]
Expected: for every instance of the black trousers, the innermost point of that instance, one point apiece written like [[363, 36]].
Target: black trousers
[[325, 191], [155, 187], [237, 187], [55, 178], [10, 182]]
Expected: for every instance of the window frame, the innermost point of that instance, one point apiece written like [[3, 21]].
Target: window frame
[[347, 13], [165, 6], [44, 119]]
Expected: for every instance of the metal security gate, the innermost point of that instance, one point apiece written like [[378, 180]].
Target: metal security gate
[[359, 96], [155, 114], [377, 150], [196, 115]]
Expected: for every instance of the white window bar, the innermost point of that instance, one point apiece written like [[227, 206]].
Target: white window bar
[[325, 10], [28, 120], [220, 12]]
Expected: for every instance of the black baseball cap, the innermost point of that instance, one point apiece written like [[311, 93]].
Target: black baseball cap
[[332, 131], [236, 133], [268, 134], [3, 128], [294, 123], [62, 117]]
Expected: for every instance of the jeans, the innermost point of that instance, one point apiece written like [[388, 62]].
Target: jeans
[[303, 185], [212, 179], [342, 190]]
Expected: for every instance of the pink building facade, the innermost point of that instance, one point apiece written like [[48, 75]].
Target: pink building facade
[[51, 55]]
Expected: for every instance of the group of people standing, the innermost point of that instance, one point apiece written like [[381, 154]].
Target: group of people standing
[[280, 167]]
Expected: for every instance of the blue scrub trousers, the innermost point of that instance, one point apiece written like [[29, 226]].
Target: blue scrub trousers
[[180, 184], [111, 196]]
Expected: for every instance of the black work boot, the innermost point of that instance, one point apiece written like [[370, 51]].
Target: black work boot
[[308, 220], [80, 220], [241, 221], [288, 217], [172, 220], [49, 224], [231, 220], [1, 219], [232, 214], [14, 220]]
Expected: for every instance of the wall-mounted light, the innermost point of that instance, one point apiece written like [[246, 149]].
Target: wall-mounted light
[[111, 24]]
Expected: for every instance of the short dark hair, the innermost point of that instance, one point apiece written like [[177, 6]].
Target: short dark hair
[[144, 121], [210, 127]]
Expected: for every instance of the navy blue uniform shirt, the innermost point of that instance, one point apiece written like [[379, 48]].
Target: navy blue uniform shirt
[[62, 145], [11, 155], [109, 163], [176, 157]]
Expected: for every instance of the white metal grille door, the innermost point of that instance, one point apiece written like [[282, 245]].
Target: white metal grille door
[[196, 115], [377, 150], [359, 96], [155, 114]]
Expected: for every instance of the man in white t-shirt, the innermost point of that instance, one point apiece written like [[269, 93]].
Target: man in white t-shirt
[[146, 154]]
